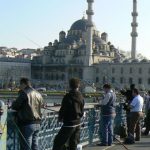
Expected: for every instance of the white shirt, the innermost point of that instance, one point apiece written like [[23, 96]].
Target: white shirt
[[107, 97], [137, 104]]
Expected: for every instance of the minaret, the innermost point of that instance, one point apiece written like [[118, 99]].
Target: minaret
[[134, 31], [89, 50]]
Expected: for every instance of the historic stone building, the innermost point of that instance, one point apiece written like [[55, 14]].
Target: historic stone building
[[122, 74], [86, 53], [75, 53]]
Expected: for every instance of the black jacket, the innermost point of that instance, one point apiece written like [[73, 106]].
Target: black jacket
[[72, 108]]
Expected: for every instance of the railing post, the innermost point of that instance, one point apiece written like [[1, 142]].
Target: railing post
[[91, 125], [3, 125]]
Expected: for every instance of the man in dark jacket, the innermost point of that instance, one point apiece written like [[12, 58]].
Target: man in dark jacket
[[129, 98], [70, 113], [28, 106]]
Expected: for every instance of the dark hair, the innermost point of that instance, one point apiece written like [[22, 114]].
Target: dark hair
[[132, 86], [136, 91], [25, 81], [74, 83], [106, 86]]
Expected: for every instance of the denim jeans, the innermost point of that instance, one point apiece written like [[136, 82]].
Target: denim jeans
[[30, 140], [106, 129]]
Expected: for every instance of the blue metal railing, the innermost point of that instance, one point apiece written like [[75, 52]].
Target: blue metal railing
[[50, 127]]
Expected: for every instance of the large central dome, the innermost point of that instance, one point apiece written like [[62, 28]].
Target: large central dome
[[79, 25]]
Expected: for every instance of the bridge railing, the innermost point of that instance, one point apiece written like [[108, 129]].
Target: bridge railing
[[50, 127]]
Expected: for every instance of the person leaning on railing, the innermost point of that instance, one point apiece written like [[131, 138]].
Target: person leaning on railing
[[28, 106], [147, 110], [129, 98], [107, 116], [70, 113]]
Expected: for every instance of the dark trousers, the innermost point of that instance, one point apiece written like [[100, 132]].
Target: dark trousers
[[147, 122], [135, 126], [128, 118], [69, 135]]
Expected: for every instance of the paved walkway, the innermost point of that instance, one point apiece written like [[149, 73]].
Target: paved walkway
[[144, 144]]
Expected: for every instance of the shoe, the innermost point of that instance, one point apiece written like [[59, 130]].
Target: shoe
[[136, 139], [102, 144]]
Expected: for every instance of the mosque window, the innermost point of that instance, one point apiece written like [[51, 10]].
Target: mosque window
[[121, 80], [121, 70], [63, 77], [140, 80], [113, 80], [97, 70], [97, 79], [113, 70], [140, 70], [130, 80], [131, 70], [149, 81], [149, 70], [57, 77], [104, 80]]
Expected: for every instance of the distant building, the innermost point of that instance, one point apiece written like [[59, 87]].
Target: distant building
[[11, 69]]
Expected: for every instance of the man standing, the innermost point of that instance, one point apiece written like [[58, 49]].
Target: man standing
[[107, 116], [28, 106], [136, 113], [129, 97], [70, 113], [147, 119]]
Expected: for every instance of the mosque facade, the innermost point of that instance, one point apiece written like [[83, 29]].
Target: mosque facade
[[85, 53]]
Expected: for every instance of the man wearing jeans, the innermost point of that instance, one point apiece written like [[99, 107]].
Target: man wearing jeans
[[28, 106], [107, 116]]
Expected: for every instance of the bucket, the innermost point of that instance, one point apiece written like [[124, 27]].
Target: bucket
[[79, 147]]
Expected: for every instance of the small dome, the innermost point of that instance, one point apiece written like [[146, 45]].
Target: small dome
[[135, 60], [98, 40], [126, 61], [144, 61], [62, 32], [104, 33]]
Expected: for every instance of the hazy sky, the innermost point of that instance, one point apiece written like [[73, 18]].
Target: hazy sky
[[24, 21]]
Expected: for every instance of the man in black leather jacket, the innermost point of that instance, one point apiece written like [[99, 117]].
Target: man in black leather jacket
[[28, 106], [70, 113]]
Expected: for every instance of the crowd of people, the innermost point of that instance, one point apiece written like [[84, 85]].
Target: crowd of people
[[30, 102]]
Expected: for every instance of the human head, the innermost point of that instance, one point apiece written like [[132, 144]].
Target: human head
[[132, 86], [74, 83], [106, 87], [24, 82], [135, 92], [149, 92]]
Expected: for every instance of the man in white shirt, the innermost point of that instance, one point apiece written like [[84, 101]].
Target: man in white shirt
[[136, 113]]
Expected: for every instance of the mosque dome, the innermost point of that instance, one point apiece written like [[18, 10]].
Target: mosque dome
[[98, 40], [135, 60], [80, 25], [126, 61], [144, 60]]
